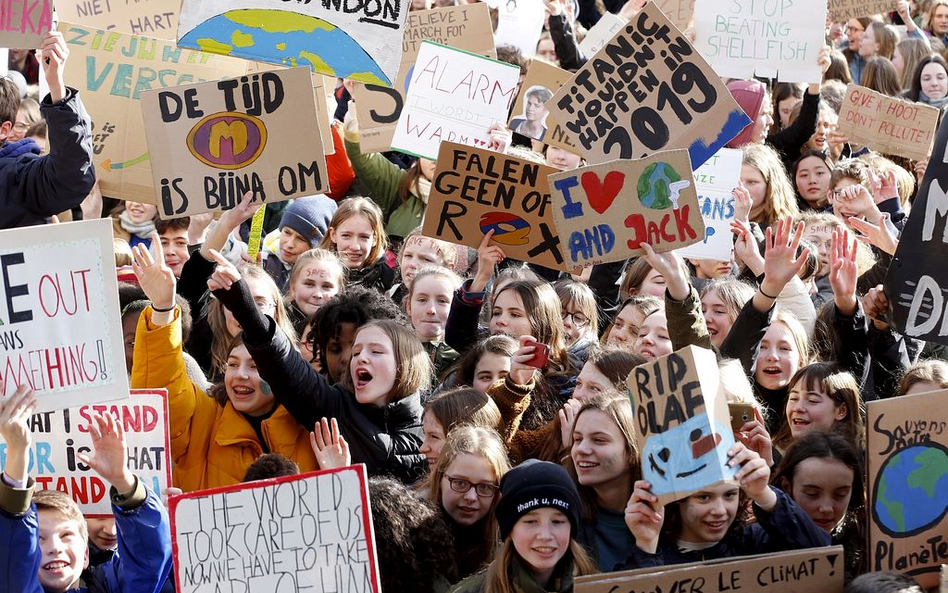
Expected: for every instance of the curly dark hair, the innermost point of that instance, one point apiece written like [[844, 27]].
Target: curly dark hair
[[415, 547], [270, 465]]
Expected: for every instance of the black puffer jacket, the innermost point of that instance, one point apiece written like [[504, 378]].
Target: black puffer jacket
[[385, 439]]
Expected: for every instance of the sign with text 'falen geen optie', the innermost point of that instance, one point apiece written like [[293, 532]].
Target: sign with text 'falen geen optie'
[[211, 142]]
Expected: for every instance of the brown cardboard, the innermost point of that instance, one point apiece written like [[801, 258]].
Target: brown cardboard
[[604, 212], [475, 190], [647, 90], [111, 84], [900, 429], [24, 23], [887, 124], [815, 570], [680, 12], [841, 11], [673, 398], [543, 75], [465, 27], [208, 146], [155, 18]]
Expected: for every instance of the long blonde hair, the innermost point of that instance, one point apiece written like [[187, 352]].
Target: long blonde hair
[[779, 199], [497, 579]]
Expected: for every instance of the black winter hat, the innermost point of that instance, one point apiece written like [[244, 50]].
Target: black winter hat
[[532, 485]]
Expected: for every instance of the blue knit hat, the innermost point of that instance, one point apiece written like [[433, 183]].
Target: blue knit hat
[[309, 217]]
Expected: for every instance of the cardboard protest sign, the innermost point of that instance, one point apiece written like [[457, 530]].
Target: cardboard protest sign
[[605, 29], [605, 212], [155, 18], [24, 23], [815, 570], [777, 39], [309, 532], [59, 315], [519, 23], [647, 90], [714, 181], [841, 11], [111, 70], [887, 124], [58, 436], [455, 96], [355, 40], [682, 424], [475, 191], [211, 142], [907, 453], [917, 275], [466, 27], [679, 12], [530, 116]]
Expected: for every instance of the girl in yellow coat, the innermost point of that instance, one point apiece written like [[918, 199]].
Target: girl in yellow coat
[[213, 439]]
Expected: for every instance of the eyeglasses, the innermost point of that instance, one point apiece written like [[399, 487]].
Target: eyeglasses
[[578, 318], [264, 306], [21, 126], [461, 486]]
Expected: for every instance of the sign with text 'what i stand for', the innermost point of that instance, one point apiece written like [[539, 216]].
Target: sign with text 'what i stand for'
[[212, 142], [309, 532], [59, 316]]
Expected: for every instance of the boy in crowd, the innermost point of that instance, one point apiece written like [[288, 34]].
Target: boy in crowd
[[174, 242]]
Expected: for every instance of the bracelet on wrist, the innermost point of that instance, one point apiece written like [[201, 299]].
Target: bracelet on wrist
[[761, 291], [158, 309]]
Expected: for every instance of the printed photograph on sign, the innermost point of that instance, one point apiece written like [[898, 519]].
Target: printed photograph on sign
[[59, 318], [907, 451], [212, 142], [672, 99], [605, 212], [888, 125], [682, 424], [111, 70], [359, 41], [325, 540], [58, 436], [155, 18], [543, 80], [24, 23], [453, 96]]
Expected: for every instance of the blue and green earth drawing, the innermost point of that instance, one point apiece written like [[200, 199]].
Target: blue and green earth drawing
[[286, 38], [911, 490], [653, 185]]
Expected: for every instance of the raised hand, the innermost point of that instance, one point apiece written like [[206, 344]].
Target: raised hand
[[499, 138], [753, 475], [567, 415], [330, 447], [746, 249], [225, 274], [520, 372], [15, 412], [488, 256], [742, 202], [667, 265], [755, 437], [876, 305], [859, 200], [109, 459], [155, 277], [843, 271], [642, 518], [880, 235], [781, 262], [54, 52], [884, 187]]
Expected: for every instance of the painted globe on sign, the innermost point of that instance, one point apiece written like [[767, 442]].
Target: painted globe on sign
[[911, 490], [653, 185], [288, 38]]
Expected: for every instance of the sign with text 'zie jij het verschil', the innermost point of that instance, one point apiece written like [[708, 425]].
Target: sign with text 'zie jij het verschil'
[[907, 452], [59, 436], [768, 38], [59, 315], [917, 278], [476, 191], [606, 212], [155, 18], [453, 96], [887, 124], [815, 570], [647, 90], [715, 180], [212, 142], [111, 70], [464, 27], [356, 40], [682, 424], [309, 532], [24, 23]]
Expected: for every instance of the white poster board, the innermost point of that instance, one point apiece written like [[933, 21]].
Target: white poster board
[[604, 30], [519, 23], [453, 95], [60, 323], [714, 181]]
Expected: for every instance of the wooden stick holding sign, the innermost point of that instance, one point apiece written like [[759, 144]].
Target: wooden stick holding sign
[[605, 212], [475, 191], [645, 91], [887, 124], [214, 141]]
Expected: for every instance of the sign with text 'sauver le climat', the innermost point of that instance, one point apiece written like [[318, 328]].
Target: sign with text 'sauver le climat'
[[212, 142]]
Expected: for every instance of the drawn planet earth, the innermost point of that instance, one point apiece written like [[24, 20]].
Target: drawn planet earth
[[911, 490], [286, 38], [653, 185]]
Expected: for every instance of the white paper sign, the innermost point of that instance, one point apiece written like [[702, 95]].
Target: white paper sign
[[604, 30], [60, 324], [519, 23], [714, 181], [767, 38], [453, 95]]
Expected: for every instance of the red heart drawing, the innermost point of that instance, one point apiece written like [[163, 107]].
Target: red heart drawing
[[601, 195]]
